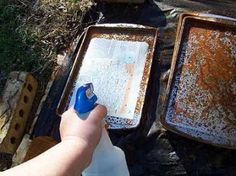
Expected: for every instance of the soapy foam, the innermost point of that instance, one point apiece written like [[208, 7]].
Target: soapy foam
[[190, 109], [115, 68]]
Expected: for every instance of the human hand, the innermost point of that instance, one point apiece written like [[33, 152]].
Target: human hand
[[86, 131], [74, 153]]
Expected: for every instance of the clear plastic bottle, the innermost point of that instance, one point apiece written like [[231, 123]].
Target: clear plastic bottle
[[107, 160]]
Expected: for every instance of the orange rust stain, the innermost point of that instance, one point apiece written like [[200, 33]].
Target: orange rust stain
[[216, 75], [130, 71]]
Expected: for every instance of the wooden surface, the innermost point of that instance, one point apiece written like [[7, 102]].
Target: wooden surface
[[38, 146]]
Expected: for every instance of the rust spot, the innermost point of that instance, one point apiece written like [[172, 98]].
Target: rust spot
[[204, 89], [130, 71]]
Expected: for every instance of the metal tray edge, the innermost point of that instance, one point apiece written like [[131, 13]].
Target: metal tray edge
[[64, 95], [178, 41], [59, 107]]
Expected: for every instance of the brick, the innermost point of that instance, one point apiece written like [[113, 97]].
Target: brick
[[15, 106]]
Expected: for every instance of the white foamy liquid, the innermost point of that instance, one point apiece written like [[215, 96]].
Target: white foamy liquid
[[115, 68]]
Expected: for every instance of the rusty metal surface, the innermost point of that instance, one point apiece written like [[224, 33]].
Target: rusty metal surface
[[142, 35], [202, 85], [202, 15]]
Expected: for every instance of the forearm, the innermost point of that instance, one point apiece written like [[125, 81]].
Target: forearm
[[69, 157]]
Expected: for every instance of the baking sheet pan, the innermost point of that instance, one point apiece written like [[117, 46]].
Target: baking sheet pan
[[202, 15], [117, 60], [201, 91]]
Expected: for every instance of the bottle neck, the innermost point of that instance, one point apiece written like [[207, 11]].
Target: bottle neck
[[105, 145]]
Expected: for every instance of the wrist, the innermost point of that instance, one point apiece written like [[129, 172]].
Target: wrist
[[81, 148]]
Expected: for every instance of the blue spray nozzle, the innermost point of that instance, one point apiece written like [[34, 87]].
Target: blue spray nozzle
[[85, 100]]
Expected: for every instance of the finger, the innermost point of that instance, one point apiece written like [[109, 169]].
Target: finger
[[97, 114], [69, 112]]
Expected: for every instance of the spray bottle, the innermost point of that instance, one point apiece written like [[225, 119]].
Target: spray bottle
[[107, 160]]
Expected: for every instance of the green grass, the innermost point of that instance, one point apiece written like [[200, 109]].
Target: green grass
[[31, 35], [16, 51]]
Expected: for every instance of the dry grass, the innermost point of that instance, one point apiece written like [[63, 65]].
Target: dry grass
[[56, 22], [34, 32]]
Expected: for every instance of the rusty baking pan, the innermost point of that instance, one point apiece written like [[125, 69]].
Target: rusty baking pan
[[117, 60], [201, 91], [201, 15]]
